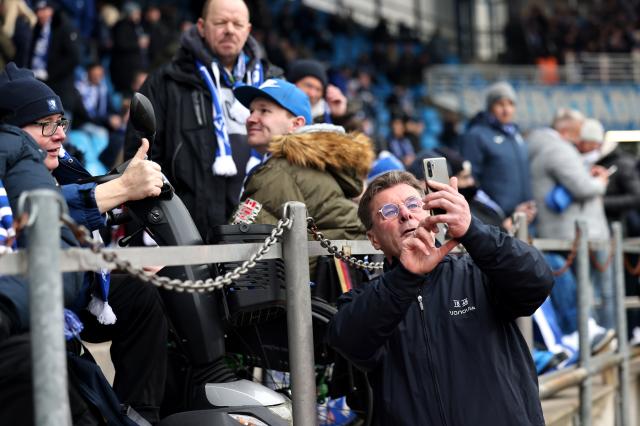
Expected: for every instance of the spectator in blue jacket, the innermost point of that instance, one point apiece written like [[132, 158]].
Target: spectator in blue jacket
[[498, 153], [31, 105], [436, 332]]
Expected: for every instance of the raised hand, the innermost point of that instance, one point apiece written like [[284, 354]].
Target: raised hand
[[142, 178], [457, 215], [419, 253], [336, 100]]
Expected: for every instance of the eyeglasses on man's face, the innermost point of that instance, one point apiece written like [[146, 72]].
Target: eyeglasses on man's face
[[391, 210], [49, 128]]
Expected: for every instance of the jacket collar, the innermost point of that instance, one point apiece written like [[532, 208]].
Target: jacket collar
[[193, 47], [347, 157]]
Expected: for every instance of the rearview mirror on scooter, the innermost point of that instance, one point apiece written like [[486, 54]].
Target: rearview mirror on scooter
[[142, 116], [143, 120]]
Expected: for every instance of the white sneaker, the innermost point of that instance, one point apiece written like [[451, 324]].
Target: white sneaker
[[594, 329], [598, 341], [571, 341]]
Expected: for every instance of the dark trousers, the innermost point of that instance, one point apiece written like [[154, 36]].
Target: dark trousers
[[138, 343], [16, 387], [138, 352]]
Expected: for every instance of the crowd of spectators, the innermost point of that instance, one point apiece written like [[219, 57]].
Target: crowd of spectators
[[561, 31], [107, 48], [379, 69]]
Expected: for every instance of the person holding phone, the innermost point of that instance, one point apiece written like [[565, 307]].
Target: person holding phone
[[622, 196], [562, 156], [436, 332]]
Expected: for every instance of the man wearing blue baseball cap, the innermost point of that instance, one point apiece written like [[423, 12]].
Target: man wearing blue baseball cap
[[277, 107], [319, 165]]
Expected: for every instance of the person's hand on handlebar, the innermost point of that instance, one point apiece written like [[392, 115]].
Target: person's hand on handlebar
[[141, 179]]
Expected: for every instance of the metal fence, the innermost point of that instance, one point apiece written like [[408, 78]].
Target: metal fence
[[589, 366], [44, 262], [586, 68]]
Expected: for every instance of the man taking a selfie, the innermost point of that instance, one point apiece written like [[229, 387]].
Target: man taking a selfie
[[436, 332]]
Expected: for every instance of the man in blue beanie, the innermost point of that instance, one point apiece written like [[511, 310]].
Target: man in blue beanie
[[29, 108]]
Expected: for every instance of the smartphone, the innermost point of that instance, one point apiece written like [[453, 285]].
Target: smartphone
[[611, 170], [435, 169]]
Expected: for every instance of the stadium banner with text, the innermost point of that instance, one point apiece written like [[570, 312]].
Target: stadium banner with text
[[616, 106]]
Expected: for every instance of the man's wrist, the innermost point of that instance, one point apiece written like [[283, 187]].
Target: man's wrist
[[110, 194]]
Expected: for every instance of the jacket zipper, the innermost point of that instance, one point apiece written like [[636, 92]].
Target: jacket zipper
[[430, 359], [198, 107], [174, 159]]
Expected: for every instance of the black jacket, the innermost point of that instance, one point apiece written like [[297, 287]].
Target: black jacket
[[185, 140], [444, 349], [126, 55], [623, 189]]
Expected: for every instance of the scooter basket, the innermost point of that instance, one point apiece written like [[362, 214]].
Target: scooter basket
[[260, 294]]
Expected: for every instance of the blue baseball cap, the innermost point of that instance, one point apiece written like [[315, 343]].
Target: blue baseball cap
[[283, 93]]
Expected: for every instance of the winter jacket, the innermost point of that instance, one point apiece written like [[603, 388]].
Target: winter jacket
[[556, 161], [623, 190], [323, 170], [499, 161], [185, 141], [443, 348], [21, 169]]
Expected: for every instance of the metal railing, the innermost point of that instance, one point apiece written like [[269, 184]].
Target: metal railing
[[44, 262], [587, 68], [589, 366]]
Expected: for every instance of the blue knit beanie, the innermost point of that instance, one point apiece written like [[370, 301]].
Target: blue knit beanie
[[386, 162], [24, 99]]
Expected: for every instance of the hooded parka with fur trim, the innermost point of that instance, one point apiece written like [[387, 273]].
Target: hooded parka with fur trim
[[323, 170]]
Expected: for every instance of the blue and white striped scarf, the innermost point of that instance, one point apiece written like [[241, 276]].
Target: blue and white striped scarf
[[7, 232], [97, 282], [41, 49], [94, 97], [223, 164]]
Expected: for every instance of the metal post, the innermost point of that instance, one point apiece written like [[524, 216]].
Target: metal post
[[48, 353], [296, 259], [525, 324], [584, 309], [417, 14], [621, 327]]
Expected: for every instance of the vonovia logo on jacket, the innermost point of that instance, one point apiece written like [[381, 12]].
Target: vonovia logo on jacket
[[461, 307]]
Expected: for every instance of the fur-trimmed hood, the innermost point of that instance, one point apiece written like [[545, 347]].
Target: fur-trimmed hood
[[335, 152]]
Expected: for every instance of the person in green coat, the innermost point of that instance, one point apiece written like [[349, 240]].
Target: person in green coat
[[321, 166]]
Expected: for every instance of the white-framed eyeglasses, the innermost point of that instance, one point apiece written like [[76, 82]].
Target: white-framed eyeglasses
[[391, 210]]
